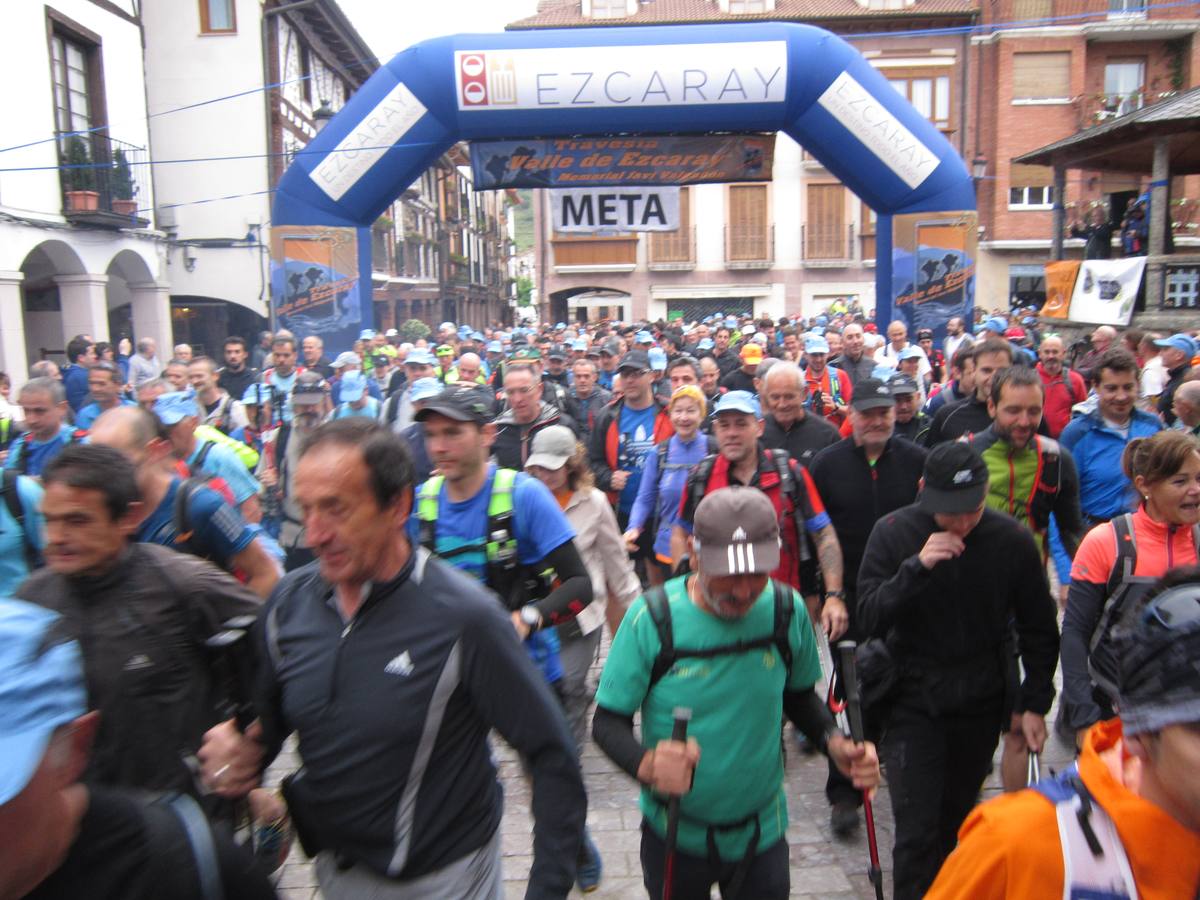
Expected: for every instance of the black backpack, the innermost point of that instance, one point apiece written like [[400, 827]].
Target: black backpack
[[660, 613], [181, 509], [1122, 592]]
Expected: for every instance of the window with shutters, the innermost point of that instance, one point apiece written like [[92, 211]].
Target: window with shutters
[[866, 230], [1041, 77], [826, 235], [217, 17], [928, 91], [675, 249], [1030, 187], [747, 235]]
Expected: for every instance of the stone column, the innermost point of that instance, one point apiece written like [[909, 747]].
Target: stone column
[[84, 300], [13, 359], [1160, 176], [151, 303]]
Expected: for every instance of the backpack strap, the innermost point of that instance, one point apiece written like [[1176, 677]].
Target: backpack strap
[[205, 449], [658, 606], [9, 490], [200, 840], [1125, 558], [785, 607], [427, 510], [500, 542], [697, 483], [1095, 863], [181, 515]]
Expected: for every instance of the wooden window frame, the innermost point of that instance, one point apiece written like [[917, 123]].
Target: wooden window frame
[[205, 25], [60, 26], [932, 73]]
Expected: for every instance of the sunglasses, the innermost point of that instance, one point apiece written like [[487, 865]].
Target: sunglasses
[[1174, 608]]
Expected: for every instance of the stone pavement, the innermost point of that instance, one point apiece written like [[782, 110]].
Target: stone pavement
[[822, 867]]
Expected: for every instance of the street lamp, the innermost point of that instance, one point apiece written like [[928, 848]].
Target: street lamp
[[979, 168], [322, 115]]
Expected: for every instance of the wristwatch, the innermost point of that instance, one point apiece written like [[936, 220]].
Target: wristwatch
[[531, 617], [841, 595]]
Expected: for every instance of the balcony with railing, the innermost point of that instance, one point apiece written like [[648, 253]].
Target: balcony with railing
[[104, 181], [749, 247], [829, 245], [672, 250]]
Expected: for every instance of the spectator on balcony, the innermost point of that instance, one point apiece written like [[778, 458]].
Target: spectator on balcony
[[1097, 231], [1135, 231]]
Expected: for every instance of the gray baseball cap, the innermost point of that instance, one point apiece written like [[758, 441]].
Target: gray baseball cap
[[736, 532], [552, 447]]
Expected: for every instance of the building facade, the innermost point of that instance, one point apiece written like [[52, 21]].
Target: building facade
[[237, 88], [78, 254], [1042, 70], [791, 245]]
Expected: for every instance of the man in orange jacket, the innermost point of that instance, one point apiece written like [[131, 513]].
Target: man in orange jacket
[[1133, 795]]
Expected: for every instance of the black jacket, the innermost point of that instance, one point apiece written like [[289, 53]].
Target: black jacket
[[513, 441], [393, 711], [856, 370], [738, 380], [949, 627], [952, 421], [1175, 378], [142, 627], [857, 495], [803, 440]]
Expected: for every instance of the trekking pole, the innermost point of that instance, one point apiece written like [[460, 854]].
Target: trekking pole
[[678, 733], [1033, 772], [849, 677]]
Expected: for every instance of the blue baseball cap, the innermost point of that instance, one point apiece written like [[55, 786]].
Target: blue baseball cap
[[366, 334], [176, 406], [738, 401], [658, 359], [912, 351], [495, 347], [731, 322], [579, 344], [705, 344], [1179, 341], [424, 388], [352, 386], [256, 394], [998, 324], [882, 372], [643, 337], [822, 320], [419, 356], [42, 689], [815, 343]]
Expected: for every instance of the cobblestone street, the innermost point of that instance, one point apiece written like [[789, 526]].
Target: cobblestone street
[[822, 867]]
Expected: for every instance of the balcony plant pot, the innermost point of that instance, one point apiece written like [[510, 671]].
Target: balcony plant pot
[[124, 207], [83, 201]]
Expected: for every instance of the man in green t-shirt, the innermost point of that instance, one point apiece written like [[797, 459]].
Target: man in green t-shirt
[[740, 654]]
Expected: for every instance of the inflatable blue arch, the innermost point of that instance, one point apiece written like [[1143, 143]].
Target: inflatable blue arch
[[695, 79]]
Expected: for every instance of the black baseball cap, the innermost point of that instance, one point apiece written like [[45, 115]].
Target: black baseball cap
[[635, 359], [955, 479], [462, 403], [558, 351], [901, 383], [612, 346], [871, 393]]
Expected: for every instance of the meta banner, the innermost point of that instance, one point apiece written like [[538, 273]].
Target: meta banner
[[642, 75], [631, 161], [587, 210]]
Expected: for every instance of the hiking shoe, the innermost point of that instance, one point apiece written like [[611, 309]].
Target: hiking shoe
[[587, 873], [843, 818]]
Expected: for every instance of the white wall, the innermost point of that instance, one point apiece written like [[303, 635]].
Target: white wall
[[29, 101], [184, 67]]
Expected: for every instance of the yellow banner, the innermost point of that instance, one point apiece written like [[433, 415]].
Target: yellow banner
[[1060, 283]]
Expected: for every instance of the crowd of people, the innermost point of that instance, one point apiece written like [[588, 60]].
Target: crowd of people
[[394, 552]]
